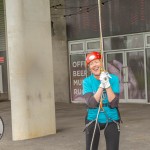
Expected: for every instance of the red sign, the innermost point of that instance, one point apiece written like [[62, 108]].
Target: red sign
[[1, 59]]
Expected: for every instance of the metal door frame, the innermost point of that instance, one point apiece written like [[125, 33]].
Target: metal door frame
[[124, 56]]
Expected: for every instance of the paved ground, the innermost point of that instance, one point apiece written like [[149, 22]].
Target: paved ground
[[135, 131]]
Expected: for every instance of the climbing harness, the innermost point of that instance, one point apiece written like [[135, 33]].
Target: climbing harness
[[100, 110]]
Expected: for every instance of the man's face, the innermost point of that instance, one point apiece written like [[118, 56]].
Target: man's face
[[95, 67]]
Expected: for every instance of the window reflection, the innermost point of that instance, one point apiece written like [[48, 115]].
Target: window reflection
[[119, 42], [135, 41], [124, 42], [136, 80], [77, 47], [93, 45]]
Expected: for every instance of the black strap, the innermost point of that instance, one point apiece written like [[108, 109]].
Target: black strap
[[104, 105], [119, 115]]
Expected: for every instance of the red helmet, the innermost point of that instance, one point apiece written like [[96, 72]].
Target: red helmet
[[92, 56]]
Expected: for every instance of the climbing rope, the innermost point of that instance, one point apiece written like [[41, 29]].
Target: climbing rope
[[100, 108], [102, 61]]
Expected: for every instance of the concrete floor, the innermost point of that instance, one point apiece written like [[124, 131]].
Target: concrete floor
[[135, 131]]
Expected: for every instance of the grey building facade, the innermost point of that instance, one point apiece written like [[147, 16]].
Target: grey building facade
[[75, 32]]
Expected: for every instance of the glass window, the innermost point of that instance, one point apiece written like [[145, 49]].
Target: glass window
[[93, 45], [135, 41], [125, 42], [119, 43], [77, 47], [148, 39], [114, 65], [107, 44], [78, 73], [136, 80]]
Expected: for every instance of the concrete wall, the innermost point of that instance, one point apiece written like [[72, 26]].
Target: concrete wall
[[30, 68], [60, 54]]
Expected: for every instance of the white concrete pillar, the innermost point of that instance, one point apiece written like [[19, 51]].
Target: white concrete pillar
[[30, 66]]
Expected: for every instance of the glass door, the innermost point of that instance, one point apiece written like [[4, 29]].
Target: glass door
[[129, 67], [115, 64], [136, 82]]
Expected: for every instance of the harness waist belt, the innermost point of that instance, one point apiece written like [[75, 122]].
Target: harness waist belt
[[104, 105]]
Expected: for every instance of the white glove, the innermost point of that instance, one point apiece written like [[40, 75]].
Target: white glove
[[104, 78], [102, 85]]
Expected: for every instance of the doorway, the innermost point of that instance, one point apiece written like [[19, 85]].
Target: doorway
[[129, 66]]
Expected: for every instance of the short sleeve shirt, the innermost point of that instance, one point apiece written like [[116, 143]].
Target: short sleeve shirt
[[91, 85]]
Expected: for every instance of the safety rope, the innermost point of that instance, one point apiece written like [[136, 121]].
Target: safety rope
[[102, 69], [101, 34], [101, 43], [102, 62]]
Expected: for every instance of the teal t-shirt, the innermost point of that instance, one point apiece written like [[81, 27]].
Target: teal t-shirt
[[91, 85]]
